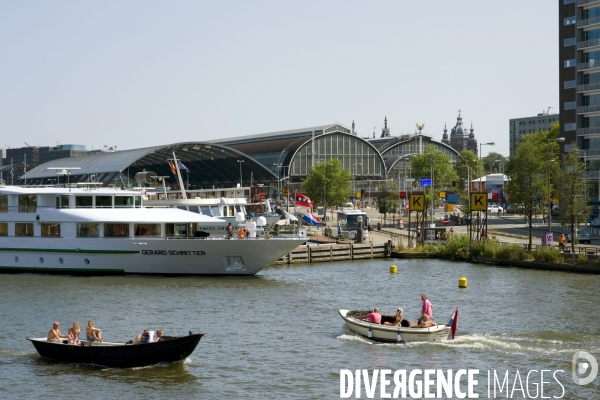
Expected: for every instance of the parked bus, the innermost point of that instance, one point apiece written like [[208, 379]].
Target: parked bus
[[348, 220]]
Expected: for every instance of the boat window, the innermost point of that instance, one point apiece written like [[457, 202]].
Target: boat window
[[138, 201], [216, 212], [146, 230], [194, 209], [62, 201], [88, 230], [103, 201], [184, 208], [181, 230], [3, 229], [238, 208], [205, 210], [83, 201], [23, 229], [116, 230], [123, 201], [27, 203], [3, 203], [51, 230]]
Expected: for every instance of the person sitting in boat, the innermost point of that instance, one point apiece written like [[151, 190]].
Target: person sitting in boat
[[54, 335], [93, 334], [159, 335], [399, 318], [241, 234], [375, 317], [146, 337], [425, 322], [73, 333], [427, 306], [229, 231]]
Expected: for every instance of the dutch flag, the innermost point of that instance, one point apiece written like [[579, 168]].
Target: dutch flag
[[310, 219]]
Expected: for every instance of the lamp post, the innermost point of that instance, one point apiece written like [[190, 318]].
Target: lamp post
[[480, 186], [354, 184], [240, 161], [559, 140]]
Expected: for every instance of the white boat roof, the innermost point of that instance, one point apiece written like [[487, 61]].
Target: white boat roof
[[141, 215], [196, 202], [65, 190]]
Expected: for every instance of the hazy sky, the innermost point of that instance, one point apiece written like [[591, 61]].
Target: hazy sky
[[141, 73]]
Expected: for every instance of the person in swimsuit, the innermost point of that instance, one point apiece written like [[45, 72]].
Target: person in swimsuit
[[73, 333], [399, 318], [426, 323], [93, 334], [146, 337], [54, 334]]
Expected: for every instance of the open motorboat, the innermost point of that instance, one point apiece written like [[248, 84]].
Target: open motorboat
[[99, 231], [120, 355], [357, 322]]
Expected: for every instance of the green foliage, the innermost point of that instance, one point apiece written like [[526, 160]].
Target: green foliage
[[582, 258], [388, 201], [490, 162], [547, 254], [457, 247], [467, 167], [512, 251], [399, 247], [443, 173], [328, 184]]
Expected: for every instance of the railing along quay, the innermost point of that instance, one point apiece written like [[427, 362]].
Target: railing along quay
[[336, 252]]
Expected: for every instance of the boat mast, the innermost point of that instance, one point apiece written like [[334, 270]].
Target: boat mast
[[176, 162]]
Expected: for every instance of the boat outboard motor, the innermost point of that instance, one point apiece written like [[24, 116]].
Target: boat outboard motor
[[359, 232]]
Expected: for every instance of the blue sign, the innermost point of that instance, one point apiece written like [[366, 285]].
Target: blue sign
[[425, 182]]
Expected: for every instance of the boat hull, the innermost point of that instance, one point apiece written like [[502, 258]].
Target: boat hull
[[115, 355], [395, 333], [109, 256]]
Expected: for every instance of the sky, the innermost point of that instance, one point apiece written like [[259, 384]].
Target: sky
[[142, 73]]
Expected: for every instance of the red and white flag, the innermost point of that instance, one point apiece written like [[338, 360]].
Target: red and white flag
[[302, 200]]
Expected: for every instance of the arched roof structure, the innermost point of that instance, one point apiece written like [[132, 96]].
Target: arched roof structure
[[355, 153], [208, 163]]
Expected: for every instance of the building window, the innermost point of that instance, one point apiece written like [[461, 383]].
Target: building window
[[570, 63], [569, 85], [88, 230], [570, 105], [569, 21], [51, 230], [570, 42], [570, 126], [23, 229], [567, 148], [568, 1]]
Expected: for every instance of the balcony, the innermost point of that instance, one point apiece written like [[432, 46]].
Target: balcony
[[585, 2], [588, 65], [588, 43], [588, 109], [588, 87], [588, 131], [588, 22]]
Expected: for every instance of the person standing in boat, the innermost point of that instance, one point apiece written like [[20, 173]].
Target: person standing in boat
[[54, 335], [427, 306], [93, 334], [229, 232], [375, 317]]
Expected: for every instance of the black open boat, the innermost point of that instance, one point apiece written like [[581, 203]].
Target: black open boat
[[120, 355]]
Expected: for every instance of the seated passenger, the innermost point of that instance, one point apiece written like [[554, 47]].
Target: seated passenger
[[375, 317], [73, 333], [54, 334], [159, 335], [93, 334], [426, 322], [146, 337], [241, 234], [399, 318]]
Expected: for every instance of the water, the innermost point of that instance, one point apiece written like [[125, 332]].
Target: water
[[278, 334]]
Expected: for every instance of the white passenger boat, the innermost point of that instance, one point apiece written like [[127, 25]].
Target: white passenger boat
[[357, 322], [108, 231]]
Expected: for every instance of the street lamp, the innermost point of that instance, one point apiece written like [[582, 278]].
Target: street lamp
[[240, 161], [354, 184], [480, 186], [559, 140], [501, 168]]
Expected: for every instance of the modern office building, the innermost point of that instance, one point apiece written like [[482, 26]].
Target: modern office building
[[522, 126], [579, 47]]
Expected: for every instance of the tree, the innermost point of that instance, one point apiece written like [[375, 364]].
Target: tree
[[467, 162], [443, 173], [571, 183], [527, 172], [388, 201], [489, 162], [328, 184]]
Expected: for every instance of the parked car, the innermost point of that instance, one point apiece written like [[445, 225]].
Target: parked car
[[348, 205], [582, 235], [495, 209]]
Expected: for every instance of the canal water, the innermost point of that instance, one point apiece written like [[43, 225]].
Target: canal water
[[278, 334]]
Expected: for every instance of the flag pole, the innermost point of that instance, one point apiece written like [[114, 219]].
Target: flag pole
[[175, 161]]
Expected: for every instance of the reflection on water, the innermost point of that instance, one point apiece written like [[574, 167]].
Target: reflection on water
[[279, 333]]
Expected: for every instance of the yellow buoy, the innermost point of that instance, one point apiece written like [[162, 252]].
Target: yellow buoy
[[393, 269], [462, 282]]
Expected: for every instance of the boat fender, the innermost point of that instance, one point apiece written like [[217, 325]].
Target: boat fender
[[399, 337], [370, 333]]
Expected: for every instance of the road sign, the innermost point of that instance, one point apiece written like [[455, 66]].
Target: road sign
[[446, 216], [442, 195], [425, 182], [410, 180], [450, 207], [417, 202], [285, 191], [445, 221], [479, 201]]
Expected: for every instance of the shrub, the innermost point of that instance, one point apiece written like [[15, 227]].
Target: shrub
[[582, 258], [512, 251], [547, 254], [399, 246], [457, 247]]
